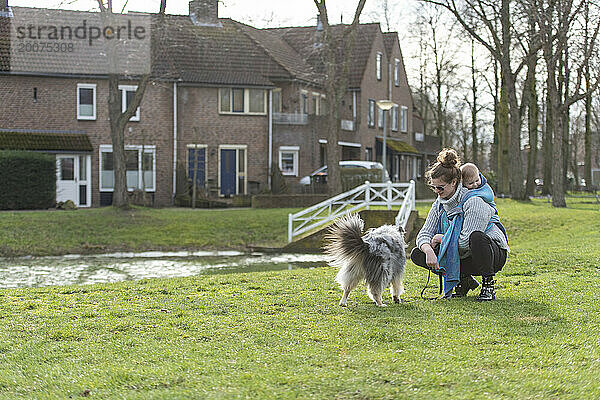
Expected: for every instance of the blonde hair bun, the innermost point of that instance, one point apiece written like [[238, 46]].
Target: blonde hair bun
[[448, 158]]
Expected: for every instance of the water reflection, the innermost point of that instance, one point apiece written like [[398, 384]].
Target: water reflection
[[78, 269]]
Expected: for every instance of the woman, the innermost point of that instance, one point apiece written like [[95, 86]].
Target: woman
[[464, 222]]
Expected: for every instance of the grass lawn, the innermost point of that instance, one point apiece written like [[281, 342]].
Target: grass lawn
[[282, 335], [102, 230]]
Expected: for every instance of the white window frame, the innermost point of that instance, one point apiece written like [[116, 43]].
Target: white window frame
[[379, 66], [124, 89], [371, 114], [403, 118], [303, 102], [86, 86], [317, 102], [321, 108], [395, 118], [107, 148], [280, 103], [396, 72], [246, 101], [289, 149], [380, 117]]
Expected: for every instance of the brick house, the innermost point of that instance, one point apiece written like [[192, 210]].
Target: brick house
[[226, 101]]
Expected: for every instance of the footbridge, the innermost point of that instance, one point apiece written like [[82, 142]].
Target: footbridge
[[364, 197]]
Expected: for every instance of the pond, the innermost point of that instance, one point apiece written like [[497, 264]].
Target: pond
[[89, 269]]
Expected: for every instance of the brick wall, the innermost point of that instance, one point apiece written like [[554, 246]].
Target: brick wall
[[198, 108], [56, 109]]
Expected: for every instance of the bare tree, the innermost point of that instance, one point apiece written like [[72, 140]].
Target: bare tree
[[337, 54], [555, 18], [496, 21], [118, 118]]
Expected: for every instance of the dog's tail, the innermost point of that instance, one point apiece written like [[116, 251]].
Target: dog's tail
[[344, 244]]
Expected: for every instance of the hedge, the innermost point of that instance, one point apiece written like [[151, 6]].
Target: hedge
[[28, 180]]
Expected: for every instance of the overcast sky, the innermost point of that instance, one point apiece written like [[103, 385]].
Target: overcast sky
[[260, 13]]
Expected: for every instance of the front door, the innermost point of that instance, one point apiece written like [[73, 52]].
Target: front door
[[228, 172], [72, 179]]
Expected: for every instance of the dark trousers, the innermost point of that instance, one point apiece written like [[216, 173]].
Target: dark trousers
[[486, 257]]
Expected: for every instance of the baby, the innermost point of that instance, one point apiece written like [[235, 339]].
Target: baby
[[471, 178]]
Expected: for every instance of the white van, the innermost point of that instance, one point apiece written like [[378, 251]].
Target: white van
[[320, 175]]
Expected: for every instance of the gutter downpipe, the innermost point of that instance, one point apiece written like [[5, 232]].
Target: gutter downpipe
[[354, 109], [174, 140], [270, 138]]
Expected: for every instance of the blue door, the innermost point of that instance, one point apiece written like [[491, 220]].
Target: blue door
[[197, 159], [228, 171]]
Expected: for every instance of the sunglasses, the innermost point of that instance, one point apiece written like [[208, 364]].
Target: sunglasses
[[438, 188]]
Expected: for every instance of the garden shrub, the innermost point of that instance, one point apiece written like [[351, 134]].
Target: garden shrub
[[29, 180]]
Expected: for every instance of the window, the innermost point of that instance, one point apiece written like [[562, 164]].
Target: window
[[276, 100], [315, 103], [237, 100], [379, 117], [140, 168], [378, 66], [323, 108], [371, 116], [403, 118], [243, 101], [197, 163], [396, 72], [369, 154], [288, 160], [127, 94], [303, 102], [395, 118], [86, 101], [225, 100], [256, 101]]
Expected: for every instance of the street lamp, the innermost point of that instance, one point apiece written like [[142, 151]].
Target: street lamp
[[384, 105]]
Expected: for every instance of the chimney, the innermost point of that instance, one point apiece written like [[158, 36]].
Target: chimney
[[318, 32], [203, 12]]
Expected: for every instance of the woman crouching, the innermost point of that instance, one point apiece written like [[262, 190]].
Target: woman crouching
[[462, 235]]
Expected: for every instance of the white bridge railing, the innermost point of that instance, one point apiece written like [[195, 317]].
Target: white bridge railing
[[364, 196]]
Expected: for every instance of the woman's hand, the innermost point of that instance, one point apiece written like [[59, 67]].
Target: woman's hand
[[431, 260], [437, 239]]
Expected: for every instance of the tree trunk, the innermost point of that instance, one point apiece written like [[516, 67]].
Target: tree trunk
[[558, 195], [117, 128], [547, 149], [503, 127], [533, 120], [563, 92], [474, 142], [587, 138]]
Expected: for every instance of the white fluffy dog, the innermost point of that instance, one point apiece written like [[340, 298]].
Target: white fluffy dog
[[378, 257]]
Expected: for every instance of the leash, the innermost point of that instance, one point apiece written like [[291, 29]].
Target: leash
[[427, 285]]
